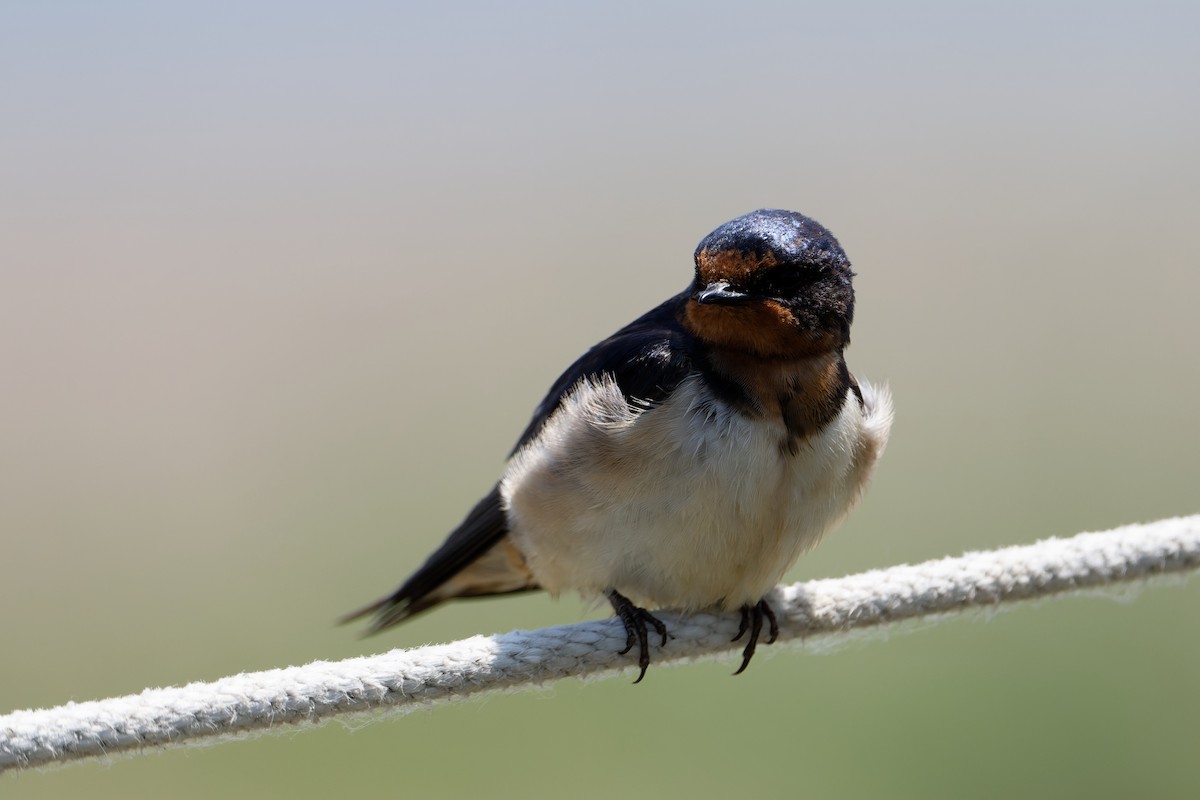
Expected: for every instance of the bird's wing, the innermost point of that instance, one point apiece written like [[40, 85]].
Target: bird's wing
[[647, 359], [468, 564]]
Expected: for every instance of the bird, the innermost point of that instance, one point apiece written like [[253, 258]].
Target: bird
[[688, 460]]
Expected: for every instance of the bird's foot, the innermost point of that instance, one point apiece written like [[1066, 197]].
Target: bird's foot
[[752, 620], [636, 621]]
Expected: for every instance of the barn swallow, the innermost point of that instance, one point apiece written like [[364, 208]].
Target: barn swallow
[[690, 458]]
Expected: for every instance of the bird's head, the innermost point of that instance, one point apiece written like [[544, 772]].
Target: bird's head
[[774, 284]]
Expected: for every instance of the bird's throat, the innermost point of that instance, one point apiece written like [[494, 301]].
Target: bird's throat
[[803, 394]]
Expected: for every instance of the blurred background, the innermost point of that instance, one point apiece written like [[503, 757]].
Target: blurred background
[[280, 284]]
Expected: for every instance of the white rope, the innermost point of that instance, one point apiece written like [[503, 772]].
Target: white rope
[[407, 679]]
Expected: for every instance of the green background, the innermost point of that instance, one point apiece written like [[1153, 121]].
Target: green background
[[280, 284]]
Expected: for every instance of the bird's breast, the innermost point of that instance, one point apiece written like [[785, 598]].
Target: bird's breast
[[691, 503]]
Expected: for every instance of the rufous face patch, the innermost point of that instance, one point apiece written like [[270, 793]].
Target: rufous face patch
[[731, 266], [764, 328]]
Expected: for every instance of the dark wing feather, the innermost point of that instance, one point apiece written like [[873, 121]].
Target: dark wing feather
[[482, 528], [647, 359]]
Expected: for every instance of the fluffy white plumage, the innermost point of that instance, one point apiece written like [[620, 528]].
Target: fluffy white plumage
[[688, 504]]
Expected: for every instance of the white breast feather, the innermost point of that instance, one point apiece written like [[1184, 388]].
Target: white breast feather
[[687, 504]]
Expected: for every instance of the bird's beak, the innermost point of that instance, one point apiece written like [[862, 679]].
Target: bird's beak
[[721, 294]]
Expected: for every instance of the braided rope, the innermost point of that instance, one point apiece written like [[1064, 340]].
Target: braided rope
[[407, 679]]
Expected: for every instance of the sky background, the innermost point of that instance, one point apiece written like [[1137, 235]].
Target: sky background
[[280, 284]]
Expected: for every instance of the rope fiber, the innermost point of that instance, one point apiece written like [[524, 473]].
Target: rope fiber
[[403, 680]]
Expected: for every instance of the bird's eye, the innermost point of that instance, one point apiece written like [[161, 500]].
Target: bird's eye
[[788, 280]]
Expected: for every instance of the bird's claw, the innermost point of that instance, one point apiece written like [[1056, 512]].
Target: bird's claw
[[752, 620], [636, 620]]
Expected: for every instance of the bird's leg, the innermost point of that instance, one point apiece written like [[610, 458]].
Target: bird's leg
[[635, 620], [752, 620]]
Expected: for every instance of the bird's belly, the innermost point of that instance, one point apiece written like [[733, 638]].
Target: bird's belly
[[689, 504]]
